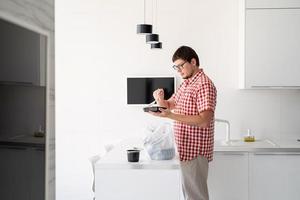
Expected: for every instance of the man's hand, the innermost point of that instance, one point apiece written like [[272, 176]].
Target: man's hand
[[163, 113], [159, 94], [202, 120]]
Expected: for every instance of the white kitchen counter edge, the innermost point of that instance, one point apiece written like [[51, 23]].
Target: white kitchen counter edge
[[174, 164], [117, 159], [251, 149], [153, 164]]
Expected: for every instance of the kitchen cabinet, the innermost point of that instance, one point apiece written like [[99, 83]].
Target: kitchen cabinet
[[22, 173], [228, 176], [136, 184], [23, 55], [274, 176], [272, 3], [228, 179], [37, 173], [14, 169], [249, 171], [116, 178], [271, 44]]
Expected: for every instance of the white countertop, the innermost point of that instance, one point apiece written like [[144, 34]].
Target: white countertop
[[117, 157], [264, 145], [288, 143]]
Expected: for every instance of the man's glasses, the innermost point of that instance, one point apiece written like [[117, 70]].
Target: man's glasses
[[177, 67]]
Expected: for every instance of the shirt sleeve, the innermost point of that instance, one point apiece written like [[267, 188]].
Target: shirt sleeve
[[176, 93], [206, 97]]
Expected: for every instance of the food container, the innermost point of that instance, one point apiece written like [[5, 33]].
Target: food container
[[156, 153], [133, 155]]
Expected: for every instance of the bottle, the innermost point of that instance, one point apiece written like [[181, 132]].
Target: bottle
[[249, 137], [39, 133]]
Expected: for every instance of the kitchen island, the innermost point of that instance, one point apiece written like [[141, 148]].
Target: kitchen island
[[241, 171]]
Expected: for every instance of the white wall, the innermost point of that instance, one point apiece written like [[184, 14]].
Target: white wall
[[97, 47]]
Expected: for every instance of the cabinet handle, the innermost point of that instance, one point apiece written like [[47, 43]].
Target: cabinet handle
[[16, 83], [38, 149], [15, 148], [278, 153], [278, 8], [231, 154], [274, 86]]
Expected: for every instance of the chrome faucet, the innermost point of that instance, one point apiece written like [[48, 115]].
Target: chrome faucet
[[227, 139]]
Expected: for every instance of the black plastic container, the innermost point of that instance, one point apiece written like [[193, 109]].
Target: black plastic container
[[153, 108], [133, 155]]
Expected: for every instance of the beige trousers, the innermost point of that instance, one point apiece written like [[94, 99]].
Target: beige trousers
[[194, 179]]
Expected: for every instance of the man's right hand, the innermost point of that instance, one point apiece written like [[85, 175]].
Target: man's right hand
[[159, 94]]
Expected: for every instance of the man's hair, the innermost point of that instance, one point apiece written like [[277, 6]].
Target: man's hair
[[186, 53]]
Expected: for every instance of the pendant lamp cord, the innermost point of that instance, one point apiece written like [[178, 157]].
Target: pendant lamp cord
[[144, 11], [152, 13], [156, 24]]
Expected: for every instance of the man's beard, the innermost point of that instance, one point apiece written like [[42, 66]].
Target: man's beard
[[187, 76]]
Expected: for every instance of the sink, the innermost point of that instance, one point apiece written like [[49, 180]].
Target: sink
[[264, 143]]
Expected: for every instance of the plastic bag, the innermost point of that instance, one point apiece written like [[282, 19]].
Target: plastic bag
[[159, 142]]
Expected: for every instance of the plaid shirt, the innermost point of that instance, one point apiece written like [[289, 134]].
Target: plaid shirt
[[194, 96]]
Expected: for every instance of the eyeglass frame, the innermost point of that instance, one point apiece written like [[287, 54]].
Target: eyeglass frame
[[177, 67]]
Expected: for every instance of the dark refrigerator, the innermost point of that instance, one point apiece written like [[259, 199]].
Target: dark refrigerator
[[22, 113]]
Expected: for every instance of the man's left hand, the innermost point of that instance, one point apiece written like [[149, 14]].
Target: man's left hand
[[163, 113]]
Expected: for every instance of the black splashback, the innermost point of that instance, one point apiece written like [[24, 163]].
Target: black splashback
[[22, 109]]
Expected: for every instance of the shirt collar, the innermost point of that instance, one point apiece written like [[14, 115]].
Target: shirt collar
[[195, 77]]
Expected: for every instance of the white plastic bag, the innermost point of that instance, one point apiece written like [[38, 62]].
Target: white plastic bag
[[159, 142]]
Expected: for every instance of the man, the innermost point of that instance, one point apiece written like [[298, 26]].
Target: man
[[192, 107]]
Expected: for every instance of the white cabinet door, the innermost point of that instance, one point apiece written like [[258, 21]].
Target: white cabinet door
[[228, 176], [274, 176], [272, 47], [137, 184]]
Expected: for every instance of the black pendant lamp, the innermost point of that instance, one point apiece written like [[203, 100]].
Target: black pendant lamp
[[156, 45], [144, 28], [152, 38]]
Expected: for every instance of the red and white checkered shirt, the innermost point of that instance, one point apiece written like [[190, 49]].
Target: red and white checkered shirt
[[194, 96]]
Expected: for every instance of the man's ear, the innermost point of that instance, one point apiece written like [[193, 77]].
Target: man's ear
[[193, 62]]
